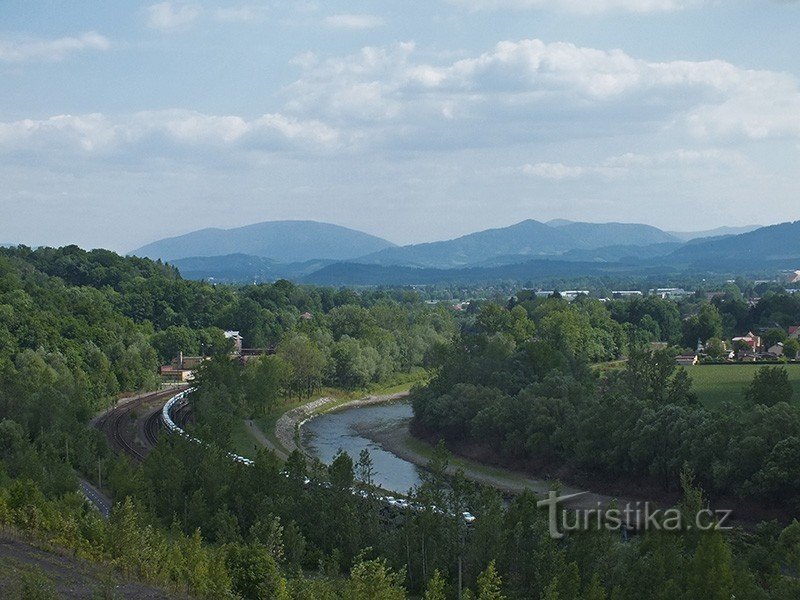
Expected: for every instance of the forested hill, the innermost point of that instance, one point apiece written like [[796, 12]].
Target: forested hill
[[528, 238], [282, 241], [776, 244]]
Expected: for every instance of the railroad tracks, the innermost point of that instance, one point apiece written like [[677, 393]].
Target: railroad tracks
[[115, 423]]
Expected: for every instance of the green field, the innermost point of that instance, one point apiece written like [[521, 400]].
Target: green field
[[715, 384]]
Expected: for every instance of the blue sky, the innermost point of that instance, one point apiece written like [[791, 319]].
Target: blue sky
[[123, 122]]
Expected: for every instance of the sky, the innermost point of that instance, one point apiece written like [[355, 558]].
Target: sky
[[125, 122]]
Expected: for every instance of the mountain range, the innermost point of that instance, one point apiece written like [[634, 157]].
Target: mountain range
[[281, 241], [321, 253]]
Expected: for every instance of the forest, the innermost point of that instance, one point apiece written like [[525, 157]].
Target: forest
[[521, 377]]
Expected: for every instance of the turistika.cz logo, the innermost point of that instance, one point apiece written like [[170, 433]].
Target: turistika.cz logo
[[639, 515]]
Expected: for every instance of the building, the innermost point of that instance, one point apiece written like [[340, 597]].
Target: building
[[625, 293], [569, 295], [170, 374], [181, 369], [776, 350], [237, 341], [751, 339], [794, 277], [306, 316], [670, 293], [687, 360], [794, 332]]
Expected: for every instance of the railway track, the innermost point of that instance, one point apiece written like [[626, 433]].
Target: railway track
[[114, 423], [152, 427]]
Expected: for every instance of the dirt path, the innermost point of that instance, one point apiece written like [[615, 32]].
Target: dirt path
[[395, 437]]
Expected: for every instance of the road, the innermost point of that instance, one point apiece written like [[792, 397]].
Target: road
[[96, 497]]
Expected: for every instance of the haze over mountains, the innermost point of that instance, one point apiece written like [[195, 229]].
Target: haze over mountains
[[323, 253], [281, 241]]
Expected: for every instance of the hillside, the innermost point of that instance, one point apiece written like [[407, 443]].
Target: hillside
[[686, 236], [281, 241], [243, 268], [539, 271], [776, 245], [525, 240]]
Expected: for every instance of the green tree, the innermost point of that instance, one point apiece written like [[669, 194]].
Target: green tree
[[490, 584], [374, 580], [307, 362], [436, 587], [254, 573], [341, 471], [710, 572], [770, 386], [791, 348]]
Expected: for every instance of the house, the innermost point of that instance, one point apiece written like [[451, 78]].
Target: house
[[794, 332], [181, 369], [747, 356], [306, 316], [237, 341], [170, 374], [776, 350], [687, 360], [751, 339], [794, 277]]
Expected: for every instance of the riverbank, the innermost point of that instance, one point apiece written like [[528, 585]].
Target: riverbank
[[397, 439], [287, 429]]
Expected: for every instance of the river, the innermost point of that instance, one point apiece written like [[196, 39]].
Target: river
[[325, 435]]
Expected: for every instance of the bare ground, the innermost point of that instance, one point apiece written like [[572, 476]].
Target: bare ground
[[67, 576]]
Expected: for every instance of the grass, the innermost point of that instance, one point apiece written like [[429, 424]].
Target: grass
[[427, 450], [716, 384], [244, 444]]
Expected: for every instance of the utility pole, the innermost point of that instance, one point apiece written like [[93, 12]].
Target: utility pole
[[99, 475]]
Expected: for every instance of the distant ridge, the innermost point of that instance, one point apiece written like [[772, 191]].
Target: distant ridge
[[281, 241], [525, 240], [775, 245], [243, 268], [686, 236]]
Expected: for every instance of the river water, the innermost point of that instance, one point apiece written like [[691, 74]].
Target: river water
[[325, 435]]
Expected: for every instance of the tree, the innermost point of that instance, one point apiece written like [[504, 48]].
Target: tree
[[254, 573], [436, 587], [341, 471], [374, 580], [307, 362], [770, 385], [791, 348], [703, 326], [365, 469], [710, 573], [773, 336], [489, 584], [267, 379]]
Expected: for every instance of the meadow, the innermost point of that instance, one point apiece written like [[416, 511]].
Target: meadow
[[716, 384]]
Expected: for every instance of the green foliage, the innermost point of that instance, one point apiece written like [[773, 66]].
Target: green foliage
[[770, 386], [489, 584], [374, 580]]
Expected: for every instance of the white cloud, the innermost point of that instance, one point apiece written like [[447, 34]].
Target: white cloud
[[241, 14], [529, 87], [586, 7], [170, 16], [355, 22], [616, 167], [25, 50], [554, 171], [100, 134]]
